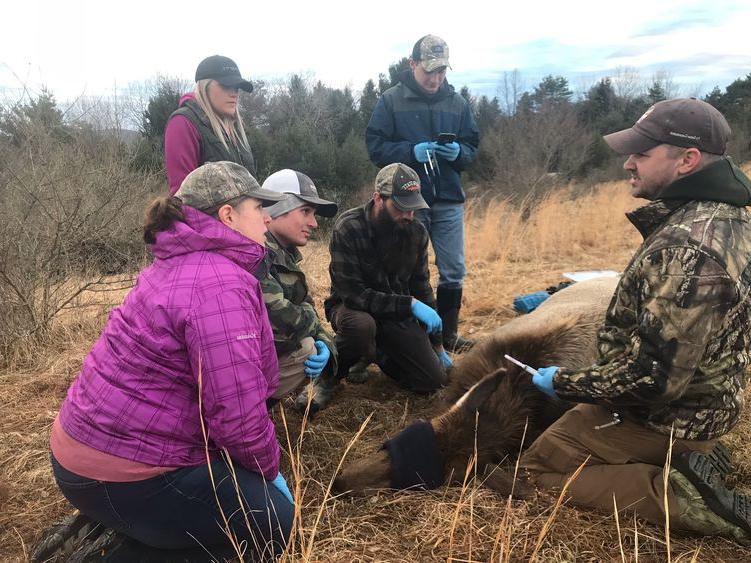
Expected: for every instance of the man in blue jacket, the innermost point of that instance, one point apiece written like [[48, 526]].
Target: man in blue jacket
[[424, 123]]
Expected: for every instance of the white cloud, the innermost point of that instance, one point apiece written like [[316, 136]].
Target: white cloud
[[86, 46]]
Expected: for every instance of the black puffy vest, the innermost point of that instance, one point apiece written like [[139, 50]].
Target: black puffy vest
[[212, 149]]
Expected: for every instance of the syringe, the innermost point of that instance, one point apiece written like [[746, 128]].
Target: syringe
[[525, 367]]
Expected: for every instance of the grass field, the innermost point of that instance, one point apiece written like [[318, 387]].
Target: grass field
[[506, 255]]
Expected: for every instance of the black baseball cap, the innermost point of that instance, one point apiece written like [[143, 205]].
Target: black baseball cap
[[683, 122], [402, 184], [224, 71]]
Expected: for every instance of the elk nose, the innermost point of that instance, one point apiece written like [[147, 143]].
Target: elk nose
[[339, 486]]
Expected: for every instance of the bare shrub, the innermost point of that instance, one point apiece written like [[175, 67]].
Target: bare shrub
[[71, 216], [527, 153]]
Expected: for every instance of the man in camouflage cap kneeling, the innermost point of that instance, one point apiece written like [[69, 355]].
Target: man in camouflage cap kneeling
[[381, 304], [675, 343], [305, 349]]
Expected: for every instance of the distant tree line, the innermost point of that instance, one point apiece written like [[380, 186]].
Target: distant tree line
[[531, 139]]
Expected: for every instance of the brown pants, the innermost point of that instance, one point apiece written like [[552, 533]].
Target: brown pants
[[625, 460], [401, 349], [292, 376]]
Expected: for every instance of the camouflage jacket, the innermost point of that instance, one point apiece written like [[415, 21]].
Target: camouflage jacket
[[674, 348], [290, 306]]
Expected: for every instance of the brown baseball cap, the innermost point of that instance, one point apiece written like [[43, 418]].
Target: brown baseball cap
[[402, 184], [683, 122], [215, 183]]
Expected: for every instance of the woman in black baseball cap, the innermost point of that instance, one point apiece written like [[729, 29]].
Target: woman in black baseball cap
[[207, 126]]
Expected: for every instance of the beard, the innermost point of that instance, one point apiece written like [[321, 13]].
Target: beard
[[397, 243]]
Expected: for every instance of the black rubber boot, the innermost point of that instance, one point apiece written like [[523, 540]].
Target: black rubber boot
[[449, 302], [706, 474]]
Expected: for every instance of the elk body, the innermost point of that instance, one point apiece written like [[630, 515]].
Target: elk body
[[491, 407]]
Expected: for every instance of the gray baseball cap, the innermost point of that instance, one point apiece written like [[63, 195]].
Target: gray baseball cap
[[212, 185], [431, 52], [297, 190], [683, 122], [402, 184]]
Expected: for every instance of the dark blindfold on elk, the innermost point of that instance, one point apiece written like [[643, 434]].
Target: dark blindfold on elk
[[415, 458]]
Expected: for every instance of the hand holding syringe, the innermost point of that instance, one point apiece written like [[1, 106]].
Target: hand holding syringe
[[542, 378]]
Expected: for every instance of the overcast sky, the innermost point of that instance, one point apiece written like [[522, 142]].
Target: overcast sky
[[87, 47]]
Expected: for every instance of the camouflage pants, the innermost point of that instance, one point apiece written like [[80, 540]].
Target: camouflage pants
[[625, 460]]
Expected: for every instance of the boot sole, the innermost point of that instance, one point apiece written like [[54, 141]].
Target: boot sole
[[711, 495]]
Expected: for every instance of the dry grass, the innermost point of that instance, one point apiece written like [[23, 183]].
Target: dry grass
[[506, 256]]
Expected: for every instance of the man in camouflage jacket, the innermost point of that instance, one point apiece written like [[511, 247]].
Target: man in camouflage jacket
[[674, 347], [304, 347]]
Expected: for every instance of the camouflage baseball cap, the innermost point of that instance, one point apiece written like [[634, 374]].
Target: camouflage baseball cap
[[431, 52], [402, 184], [215, 183], [299, 190]]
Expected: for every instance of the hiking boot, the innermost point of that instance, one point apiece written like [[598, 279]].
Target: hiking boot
[[97, 548], [358, 373], [60, 540], [720, 459], [728, 505], [323, 389]]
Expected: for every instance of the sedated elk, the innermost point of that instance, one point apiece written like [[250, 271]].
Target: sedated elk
[[490, 405]]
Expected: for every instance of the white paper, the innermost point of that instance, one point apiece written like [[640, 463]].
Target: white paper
[[590, 274]]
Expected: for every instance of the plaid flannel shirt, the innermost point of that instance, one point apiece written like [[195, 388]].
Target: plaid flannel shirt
[[358, 279]]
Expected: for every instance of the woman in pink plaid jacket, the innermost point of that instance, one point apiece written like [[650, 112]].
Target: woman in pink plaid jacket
[[167, 426]]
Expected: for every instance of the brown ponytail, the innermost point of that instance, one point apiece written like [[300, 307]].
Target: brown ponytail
[[160, 215]]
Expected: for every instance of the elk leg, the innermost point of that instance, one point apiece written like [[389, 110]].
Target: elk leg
[[502, 480]]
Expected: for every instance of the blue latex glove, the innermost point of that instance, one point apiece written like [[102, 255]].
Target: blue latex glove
[[543, 380], [446, 360], [316, 362], [427, 316], [530, 301], [281, 486], [421, 150], [449, 151]]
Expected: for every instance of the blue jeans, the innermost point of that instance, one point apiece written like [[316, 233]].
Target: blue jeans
[[445, 224], [178, 510]]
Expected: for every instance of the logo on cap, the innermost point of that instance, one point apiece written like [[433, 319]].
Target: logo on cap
[[410, 186], [645, 114]]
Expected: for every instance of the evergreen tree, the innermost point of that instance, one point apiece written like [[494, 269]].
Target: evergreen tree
[[487, 113], [149, 151], [656, 93], [368, 101], [552, 89], [395, 70], [19, 122]]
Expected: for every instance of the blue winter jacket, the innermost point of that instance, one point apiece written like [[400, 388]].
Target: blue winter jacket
[[405, 116]]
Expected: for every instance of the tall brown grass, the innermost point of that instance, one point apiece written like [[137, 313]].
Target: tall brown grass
[[508, 252]]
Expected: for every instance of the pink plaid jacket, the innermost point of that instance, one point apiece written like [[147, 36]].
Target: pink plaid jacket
[[194, 323]]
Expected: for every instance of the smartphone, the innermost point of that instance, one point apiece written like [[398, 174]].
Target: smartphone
[[446, 138]]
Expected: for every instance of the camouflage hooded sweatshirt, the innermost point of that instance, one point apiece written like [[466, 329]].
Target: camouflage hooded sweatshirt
[[674, 347], [290, 306]]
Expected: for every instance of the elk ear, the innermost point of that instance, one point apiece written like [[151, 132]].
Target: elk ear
[[481, 391]]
